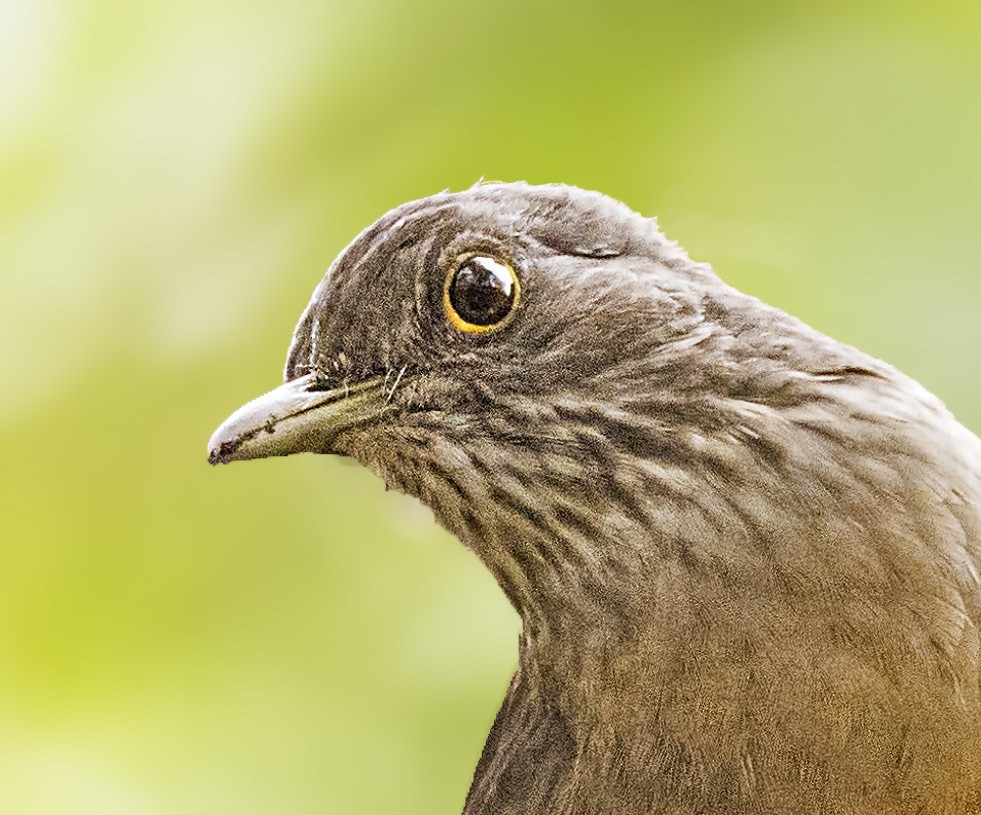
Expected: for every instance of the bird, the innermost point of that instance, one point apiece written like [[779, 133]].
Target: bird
[[746, 556]]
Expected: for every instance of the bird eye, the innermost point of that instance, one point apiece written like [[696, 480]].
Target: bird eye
[[480, 294]]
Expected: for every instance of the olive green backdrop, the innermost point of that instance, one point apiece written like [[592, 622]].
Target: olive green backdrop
[[285, 637]]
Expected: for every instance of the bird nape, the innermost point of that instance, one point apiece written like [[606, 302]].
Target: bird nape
[[747, 557]]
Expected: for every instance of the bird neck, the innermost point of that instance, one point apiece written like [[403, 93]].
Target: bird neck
[[580, 590]]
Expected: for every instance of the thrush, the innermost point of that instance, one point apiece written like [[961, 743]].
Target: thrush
[[747, 557]]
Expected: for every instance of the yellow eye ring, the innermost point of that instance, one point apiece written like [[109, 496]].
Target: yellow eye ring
[[480, 293]]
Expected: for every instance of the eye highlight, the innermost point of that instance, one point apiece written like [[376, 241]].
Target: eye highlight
[[480, 293]]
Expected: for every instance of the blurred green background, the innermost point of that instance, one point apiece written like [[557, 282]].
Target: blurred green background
[[285, 636]]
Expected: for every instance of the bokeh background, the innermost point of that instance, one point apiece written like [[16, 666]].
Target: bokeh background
[[286, 636]]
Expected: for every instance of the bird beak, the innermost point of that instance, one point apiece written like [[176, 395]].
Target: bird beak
[[297, 417]]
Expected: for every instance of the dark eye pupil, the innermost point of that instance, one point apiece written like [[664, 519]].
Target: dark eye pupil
[[482, 291]]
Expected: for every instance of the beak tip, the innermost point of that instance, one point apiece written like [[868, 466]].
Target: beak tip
[[221, 448]]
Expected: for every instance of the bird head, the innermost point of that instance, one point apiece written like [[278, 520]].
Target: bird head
[[457, 304]]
